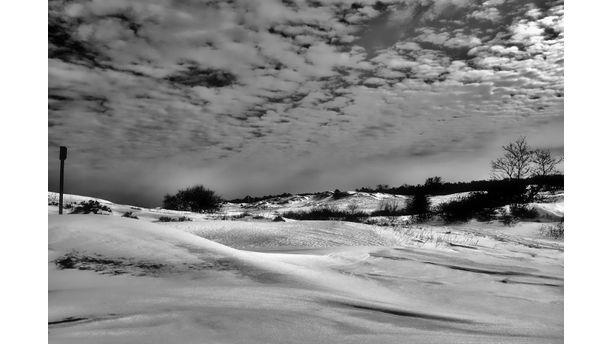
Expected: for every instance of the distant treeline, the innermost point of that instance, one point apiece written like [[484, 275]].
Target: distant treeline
[[434, 186], [250, 199]]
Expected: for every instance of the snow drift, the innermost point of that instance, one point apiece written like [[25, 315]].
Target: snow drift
[[117, 280]]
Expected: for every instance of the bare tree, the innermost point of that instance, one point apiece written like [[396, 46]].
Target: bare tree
[[544, 162], [352, 207], [433, 181], [516, 161]]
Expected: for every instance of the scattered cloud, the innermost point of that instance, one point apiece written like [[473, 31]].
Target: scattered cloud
[[271, 87]]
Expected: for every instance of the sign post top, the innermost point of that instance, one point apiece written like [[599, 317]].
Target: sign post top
[[63, 152]]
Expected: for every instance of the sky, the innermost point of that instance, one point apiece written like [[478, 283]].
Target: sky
[[257, 97]]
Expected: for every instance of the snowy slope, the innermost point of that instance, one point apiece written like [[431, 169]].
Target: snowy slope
[[552, 208], [140, 282]]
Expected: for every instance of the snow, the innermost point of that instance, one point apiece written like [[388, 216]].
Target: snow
[[257, 281], [69, 198], [550, 210]]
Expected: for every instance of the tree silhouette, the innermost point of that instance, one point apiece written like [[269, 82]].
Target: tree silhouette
[[516, 161], [196, 198], [544, 163]]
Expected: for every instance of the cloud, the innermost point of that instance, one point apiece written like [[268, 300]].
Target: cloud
[[253, 88]]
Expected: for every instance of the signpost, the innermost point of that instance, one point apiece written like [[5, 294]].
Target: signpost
[[63, 155]]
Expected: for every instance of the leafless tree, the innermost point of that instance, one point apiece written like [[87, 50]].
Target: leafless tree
[[516, 161], [352, 207], [544, 163]]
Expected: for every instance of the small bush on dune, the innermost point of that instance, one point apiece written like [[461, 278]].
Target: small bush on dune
[[553, 231], [91, 206], [463, 209], [483, 205], [66, 262], [486, 215], [506, 218], [173, 219], [339, 194], [522, 211], [326, 213], [389, 207], [420, 204], [196, 198], [419, 207], [278, 218], [130, 215], [353, 207], [242, 215]]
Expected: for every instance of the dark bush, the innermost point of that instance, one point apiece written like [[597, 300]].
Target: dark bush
[[486, 215], [91, 206], [66, 262], [242, 215], [435, 186], [464, 208], [130, 215], [432, 185], [196, 199], [339, 194], [419, 205], [522, 211], [506, 218], [553, 231], [481, 204], [326, 213], [389, 208], [173, 219]]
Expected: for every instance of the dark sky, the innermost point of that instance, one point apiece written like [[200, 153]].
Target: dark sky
[[264, 96]]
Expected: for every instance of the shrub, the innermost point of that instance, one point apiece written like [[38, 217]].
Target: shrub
[[522, 211], [173, 219], [352, 207], [419, 205], [278, 218], [326, 213], [389, 208], [339, 194], [506, 218], [242, 215], [432, 185], [196, 198], [486, 215], [65, 262], [464, 208], [482, 205], [130, 215], [553, 231], [91, 206]]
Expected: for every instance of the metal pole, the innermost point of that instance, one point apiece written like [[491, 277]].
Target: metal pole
[[63, 155], [61, 197]]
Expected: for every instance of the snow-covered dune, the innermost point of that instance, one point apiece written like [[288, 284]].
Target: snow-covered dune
[[552, 208], [119, 280]]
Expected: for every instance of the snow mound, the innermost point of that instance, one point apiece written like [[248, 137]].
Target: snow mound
[[550, 210], [345, 283], [53, 197]]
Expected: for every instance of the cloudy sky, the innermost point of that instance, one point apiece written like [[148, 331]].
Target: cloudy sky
[[268, 96]]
